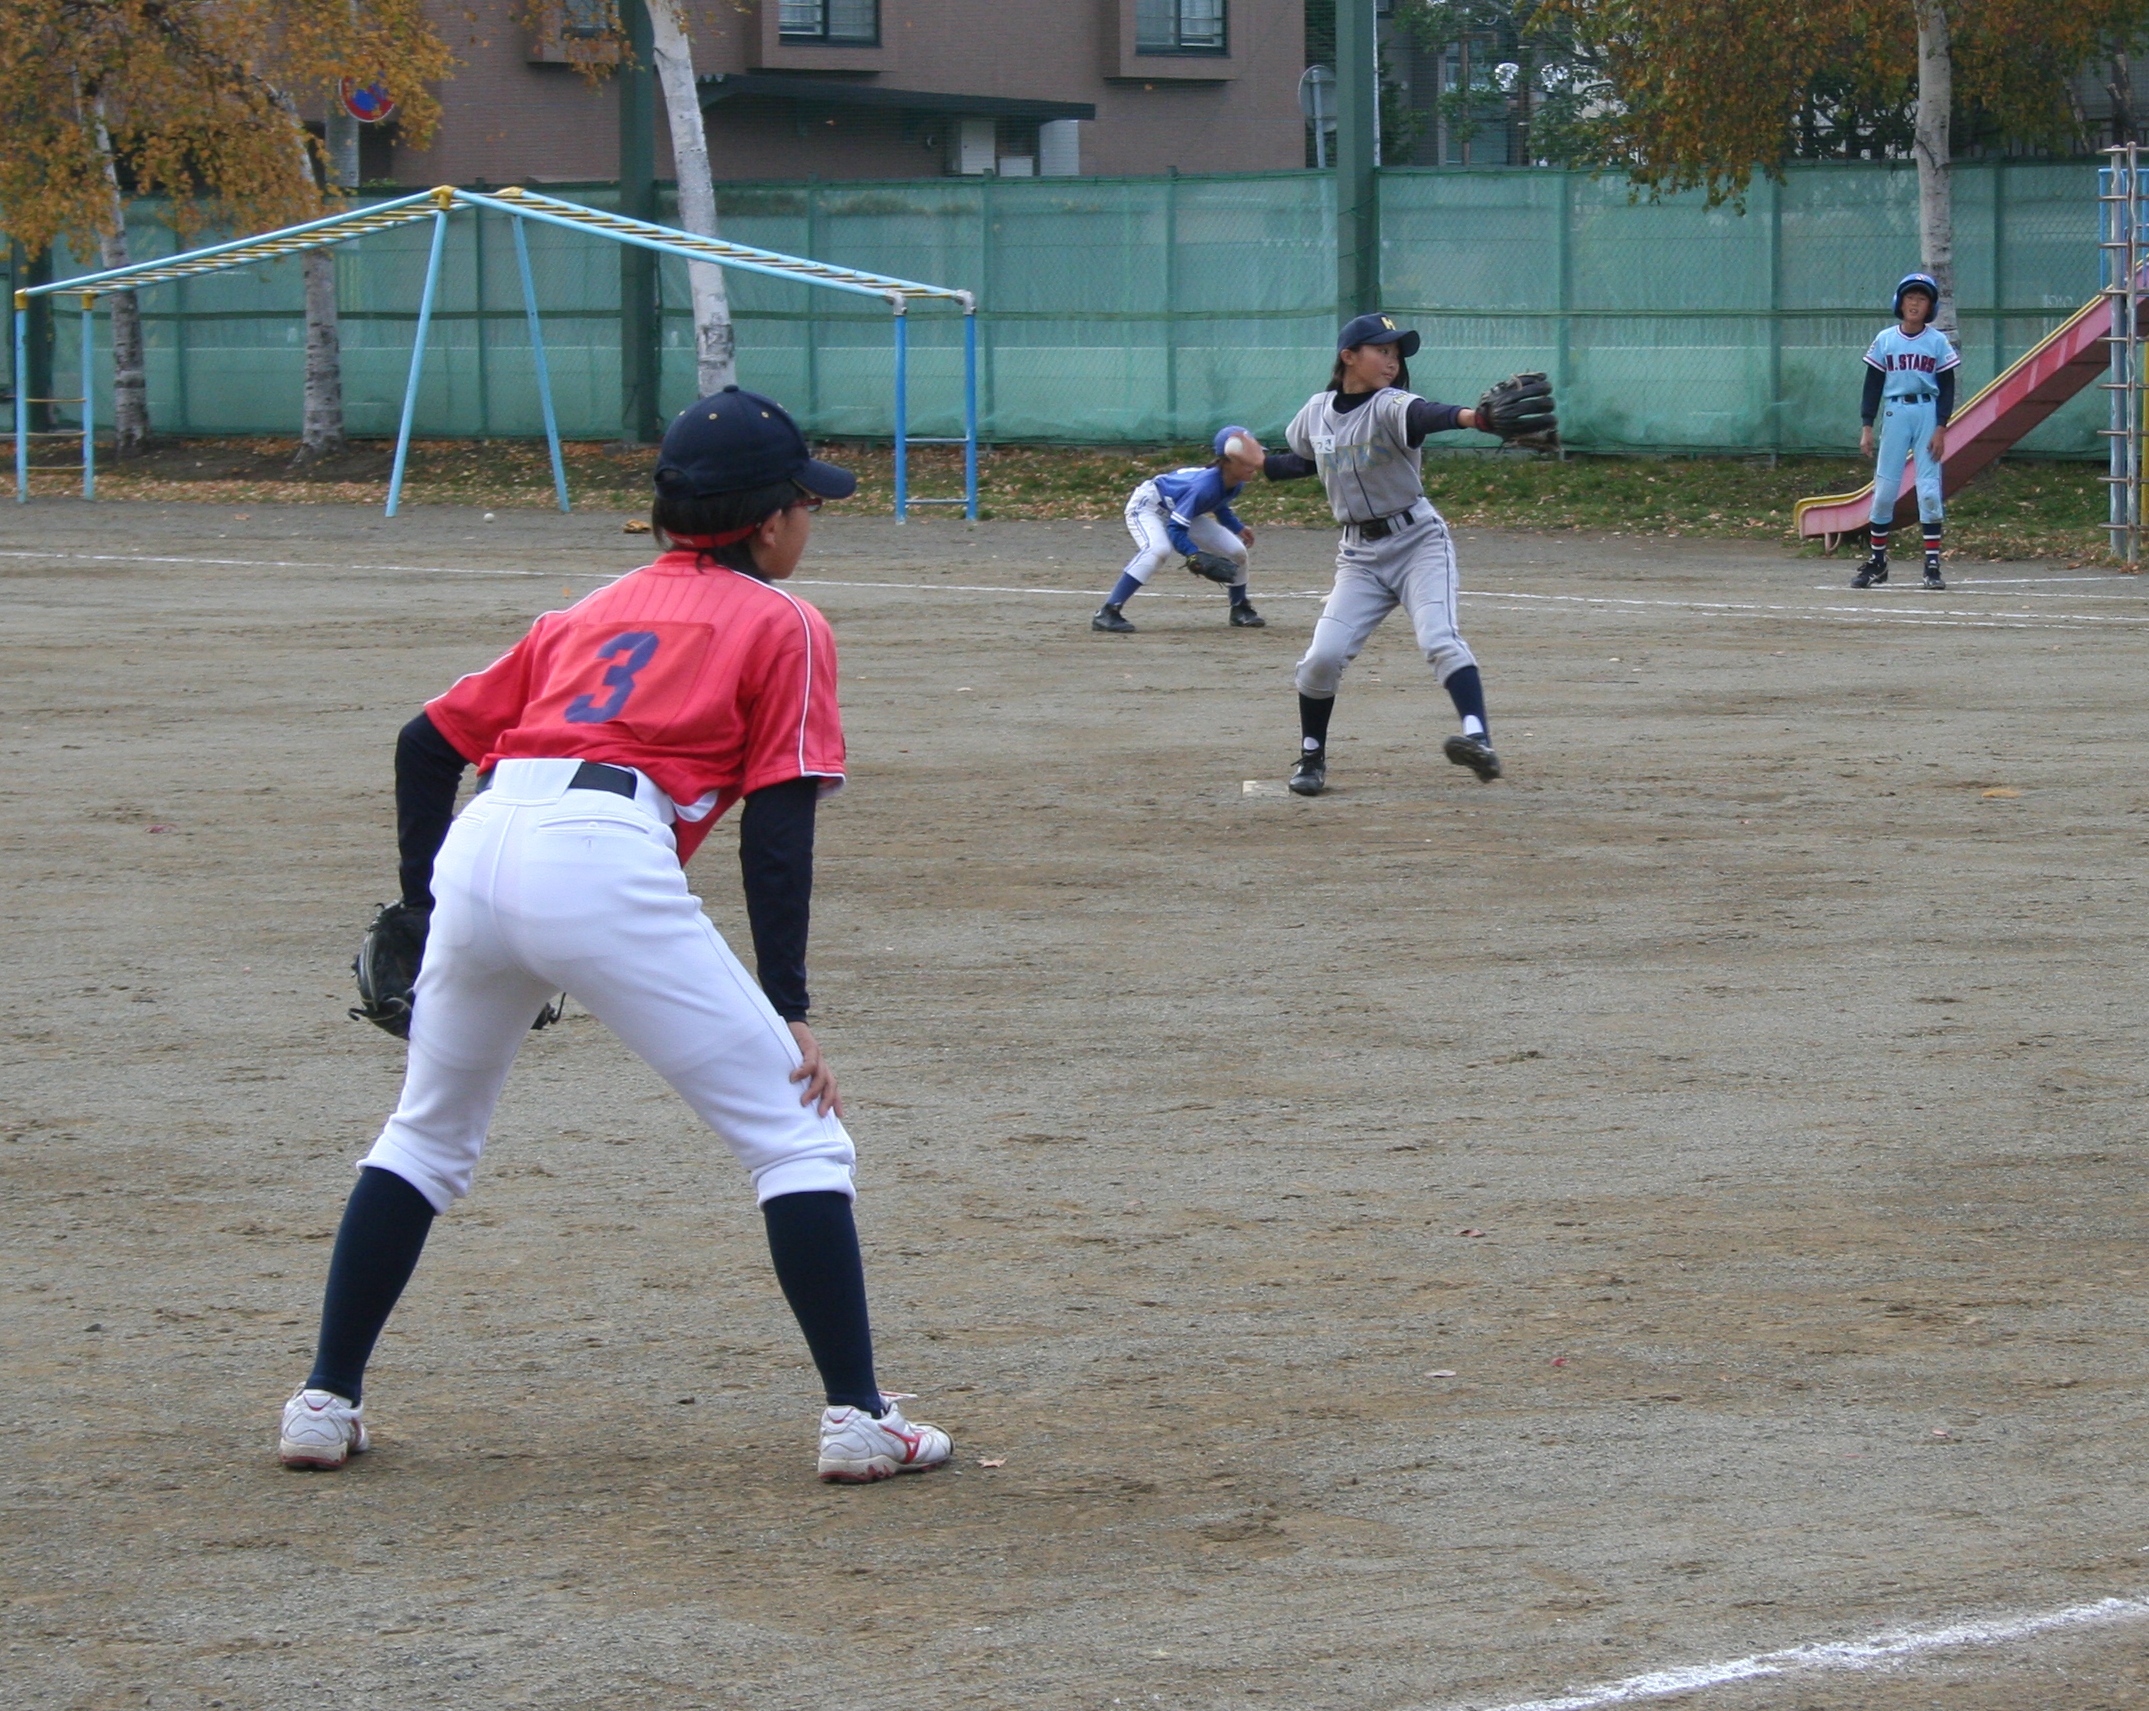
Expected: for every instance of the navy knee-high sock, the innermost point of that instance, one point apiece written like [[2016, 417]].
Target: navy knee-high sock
[[1314, 712], [813, 1240], [385, 1222], [1467, 691]]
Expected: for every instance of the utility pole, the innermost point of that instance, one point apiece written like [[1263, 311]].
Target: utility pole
[[1357, 154], [638, 319]]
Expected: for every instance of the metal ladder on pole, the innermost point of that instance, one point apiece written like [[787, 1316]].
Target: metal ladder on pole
[[2124, 247], [24, 434]]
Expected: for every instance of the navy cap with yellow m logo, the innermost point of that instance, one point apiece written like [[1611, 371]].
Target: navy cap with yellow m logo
[[1377, 330]]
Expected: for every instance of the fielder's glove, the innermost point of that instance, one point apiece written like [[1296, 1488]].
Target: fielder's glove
[[1215, 566], [387, 967], [1520, 411]]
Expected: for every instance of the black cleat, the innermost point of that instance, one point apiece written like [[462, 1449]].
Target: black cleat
[[1933, 578], [1475, 753], [1244, 617], [1872, 573], [1310, 777], [1110, 617]]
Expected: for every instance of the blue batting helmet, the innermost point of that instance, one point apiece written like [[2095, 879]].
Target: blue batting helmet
[[1924, 282]]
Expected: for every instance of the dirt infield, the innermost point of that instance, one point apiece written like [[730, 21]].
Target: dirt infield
[[1429, 1246]]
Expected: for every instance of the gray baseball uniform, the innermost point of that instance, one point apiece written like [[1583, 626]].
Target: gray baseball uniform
[[1371, 471]]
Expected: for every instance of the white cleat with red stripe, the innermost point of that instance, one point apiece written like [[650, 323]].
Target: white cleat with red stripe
[[320, 1430], [857, 1449]]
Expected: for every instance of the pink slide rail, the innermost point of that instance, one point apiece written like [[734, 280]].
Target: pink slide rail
[[2073, 355]]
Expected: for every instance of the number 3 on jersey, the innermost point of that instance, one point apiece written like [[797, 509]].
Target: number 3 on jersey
[[633, 649]]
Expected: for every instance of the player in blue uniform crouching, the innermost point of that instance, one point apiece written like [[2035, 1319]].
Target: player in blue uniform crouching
[[1910, 385], [1189, 511]]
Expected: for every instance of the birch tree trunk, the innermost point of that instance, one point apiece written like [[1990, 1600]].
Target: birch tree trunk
[[130, 379], [715, 353], [321, 432], [1936, 190]]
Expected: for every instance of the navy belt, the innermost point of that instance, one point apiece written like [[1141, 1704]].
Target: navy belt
[[590, 775]]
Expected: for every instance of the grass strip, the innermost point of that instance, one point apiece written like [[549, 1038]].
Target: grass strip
[[2029, 509]]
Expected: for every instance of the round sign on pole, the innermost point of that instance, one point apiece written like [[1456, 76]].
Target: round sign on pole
[[368, 105]]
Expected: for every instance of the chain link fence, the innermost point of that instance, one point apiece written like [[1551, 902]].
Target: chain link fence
[[1144, 310]]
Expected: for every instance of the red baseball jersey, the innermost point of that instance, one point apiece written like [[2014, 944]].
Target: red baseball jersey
[[713, 683]]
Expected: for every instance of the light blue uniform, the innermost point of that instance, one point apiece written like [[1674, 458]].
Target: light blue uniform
[[1910, 398]]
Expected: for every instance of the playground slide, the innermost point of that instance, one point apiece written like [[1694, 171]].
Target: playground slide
[[2072, 356]]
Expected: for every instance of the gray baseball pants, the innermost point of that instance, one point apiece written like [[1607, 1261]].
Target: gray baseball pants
[[1414, 568]]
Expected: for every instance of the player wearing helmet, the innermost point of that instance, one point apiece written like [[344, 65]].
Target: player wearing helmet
[[1189, 511], [1910, 386]]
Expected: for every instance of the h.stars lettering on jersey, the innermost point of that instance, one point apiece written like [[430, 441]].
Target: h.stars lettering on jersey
[[1911, 365]]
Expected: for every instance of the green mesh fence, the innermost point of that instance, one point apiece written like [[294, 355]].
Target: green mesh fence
[[1158, 308]]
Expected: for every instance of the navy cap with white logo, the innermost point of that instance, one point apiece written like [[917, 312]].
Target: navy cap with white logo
[[1377, 330], [734, 441]]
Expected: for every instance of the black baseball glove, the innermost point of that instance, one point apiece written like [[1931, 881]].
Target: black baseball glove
[[1215, 566], [1520, 411], [387, 967]]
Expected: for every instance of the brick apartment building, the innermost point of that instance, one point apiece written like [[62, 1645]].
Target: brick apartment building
[[861, 89]]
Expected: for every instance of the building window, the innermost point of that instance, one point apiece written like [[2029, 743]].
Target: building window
[[1177, 26], [846, 23], [588, 20]]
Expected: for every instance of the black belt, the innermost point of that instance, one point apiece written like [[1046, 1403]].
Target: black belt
[[1380, 528], [590, 775]]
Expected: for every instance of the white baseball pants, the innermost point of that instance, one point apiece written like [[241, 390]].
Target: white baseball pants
[[541, 889], [1906, 434], [1413, 568], [1147, 515]]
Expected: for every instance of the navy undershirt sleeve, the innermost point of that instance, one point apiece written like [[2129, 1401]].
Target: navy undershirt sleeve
[[1425, 417], [428, 768], [1947, 395], [776, 867], [1286, 466], [1869, 406]]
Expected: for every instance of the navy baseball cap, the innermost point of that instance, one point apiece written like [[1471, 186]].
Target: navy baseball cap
[[1377, 330], [733, 441]]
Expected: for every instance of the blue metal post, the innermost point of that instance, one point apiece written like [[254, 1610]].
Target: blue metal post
[[22, 400], [902, 412], [89, 428], [970, 415], [417, 359], [537, 353]]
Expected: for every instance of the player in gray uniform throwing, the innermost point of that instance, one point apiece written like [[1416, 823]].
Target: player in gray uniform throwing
[[1363, 435]]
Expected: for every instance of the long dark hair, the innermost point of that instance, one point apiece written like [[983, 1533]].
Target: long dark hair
[[1402, 373], [724, 514]]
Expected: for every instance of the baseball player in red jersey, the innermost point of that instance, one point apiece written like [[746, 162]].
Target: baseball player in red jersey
[[608, 741]]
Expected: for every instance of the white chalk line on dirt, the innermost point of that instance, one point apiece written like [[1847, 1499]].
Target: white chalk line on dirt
[[1940, 617], [1879, 1650], [1944, 618], [279, 564], [2012, 583]]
